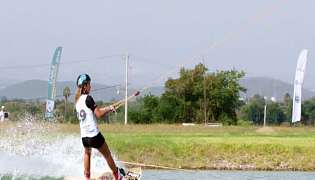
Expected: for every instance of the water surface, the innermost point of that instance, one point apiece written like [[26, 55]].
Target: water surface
[[227, 175]]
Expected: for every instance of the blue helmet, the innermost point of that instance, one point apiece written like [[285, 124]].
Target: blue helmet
[[83, 79]]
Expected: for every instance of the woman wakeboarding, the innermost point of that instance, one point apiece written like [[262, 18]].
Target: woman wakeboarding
[[87, 112]]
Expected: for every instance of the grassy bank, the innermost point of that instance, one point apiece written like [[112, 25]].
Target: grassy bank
[[199, 147]]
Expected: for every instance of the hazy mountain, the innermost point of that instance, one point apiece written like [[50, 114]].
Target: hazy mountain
[[38, 89], [270, 87], [263, 86], [157, 91], [4, 82]]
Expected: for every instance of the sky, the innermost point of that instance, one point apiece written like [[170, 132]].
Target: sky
[[262, 38]]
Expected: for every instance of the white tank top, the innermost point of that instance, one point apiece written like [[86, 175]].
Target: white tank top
[[88, 124]]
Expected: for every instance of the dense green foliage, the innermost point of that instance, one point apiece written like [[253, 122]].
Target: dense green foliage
[[308, 112], [276, 112], [196, 96], [18, 108]]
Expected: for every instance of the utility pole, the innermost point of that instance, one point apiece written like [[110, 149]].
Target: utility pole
[[265, 110], [204, 93], [126, 90]]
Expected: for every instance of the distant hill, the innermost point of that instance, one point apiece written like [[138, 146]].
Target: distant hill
[[38, 89], [263, 86], [5, 81], [271, 88], [157, 91], [34, 89]]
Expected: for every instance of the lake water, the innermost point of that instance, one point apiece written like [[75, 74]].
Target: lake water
[[192, 175], [226, 175]]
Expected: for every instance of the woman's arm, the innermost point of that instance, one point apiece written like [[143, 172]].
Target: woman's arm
[[101, 111], [98, 111]]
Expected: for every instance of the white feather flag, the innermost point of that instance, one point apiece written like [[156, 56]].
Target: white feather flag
[[299, 78]]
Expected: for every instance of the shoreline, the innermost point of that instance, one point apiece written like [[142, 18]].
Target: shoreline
[[242, 167], [239, 170]]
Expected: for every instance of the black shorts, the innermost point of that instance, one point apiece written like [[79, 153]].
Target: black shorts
[[94, 142]]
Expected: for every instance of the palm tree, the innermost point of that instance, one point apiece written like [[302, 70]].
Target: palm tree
[[66, 94]]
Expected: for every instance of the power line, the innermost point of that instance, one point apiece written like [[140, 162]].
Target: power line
[[67, 62], [144, 59], [226, 38], [71, 94], [93, 59], [96, 90]]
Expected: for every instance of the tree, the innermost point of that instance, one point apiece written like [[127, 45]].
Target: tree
[[254, 110], [287, 107], [66, 94], [308, 112], [190, 97], [187, 90], [275, 114], [169, 109], [222, 94], [287, 99], [145, 110]]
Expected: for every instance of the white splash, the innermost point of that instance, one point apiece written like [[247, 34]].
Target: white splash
[[36, 148]]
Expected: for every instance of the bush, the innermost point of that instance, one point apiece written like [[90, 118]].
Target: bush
[[225, 120], [244, 123]]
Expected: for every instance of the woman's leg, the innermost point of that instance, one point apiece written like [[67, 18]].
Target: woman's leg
[[107, 155], [87, 162]]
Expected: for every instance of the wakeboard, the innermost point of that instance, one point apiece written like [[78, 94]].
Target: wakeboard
[[131, 174]]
